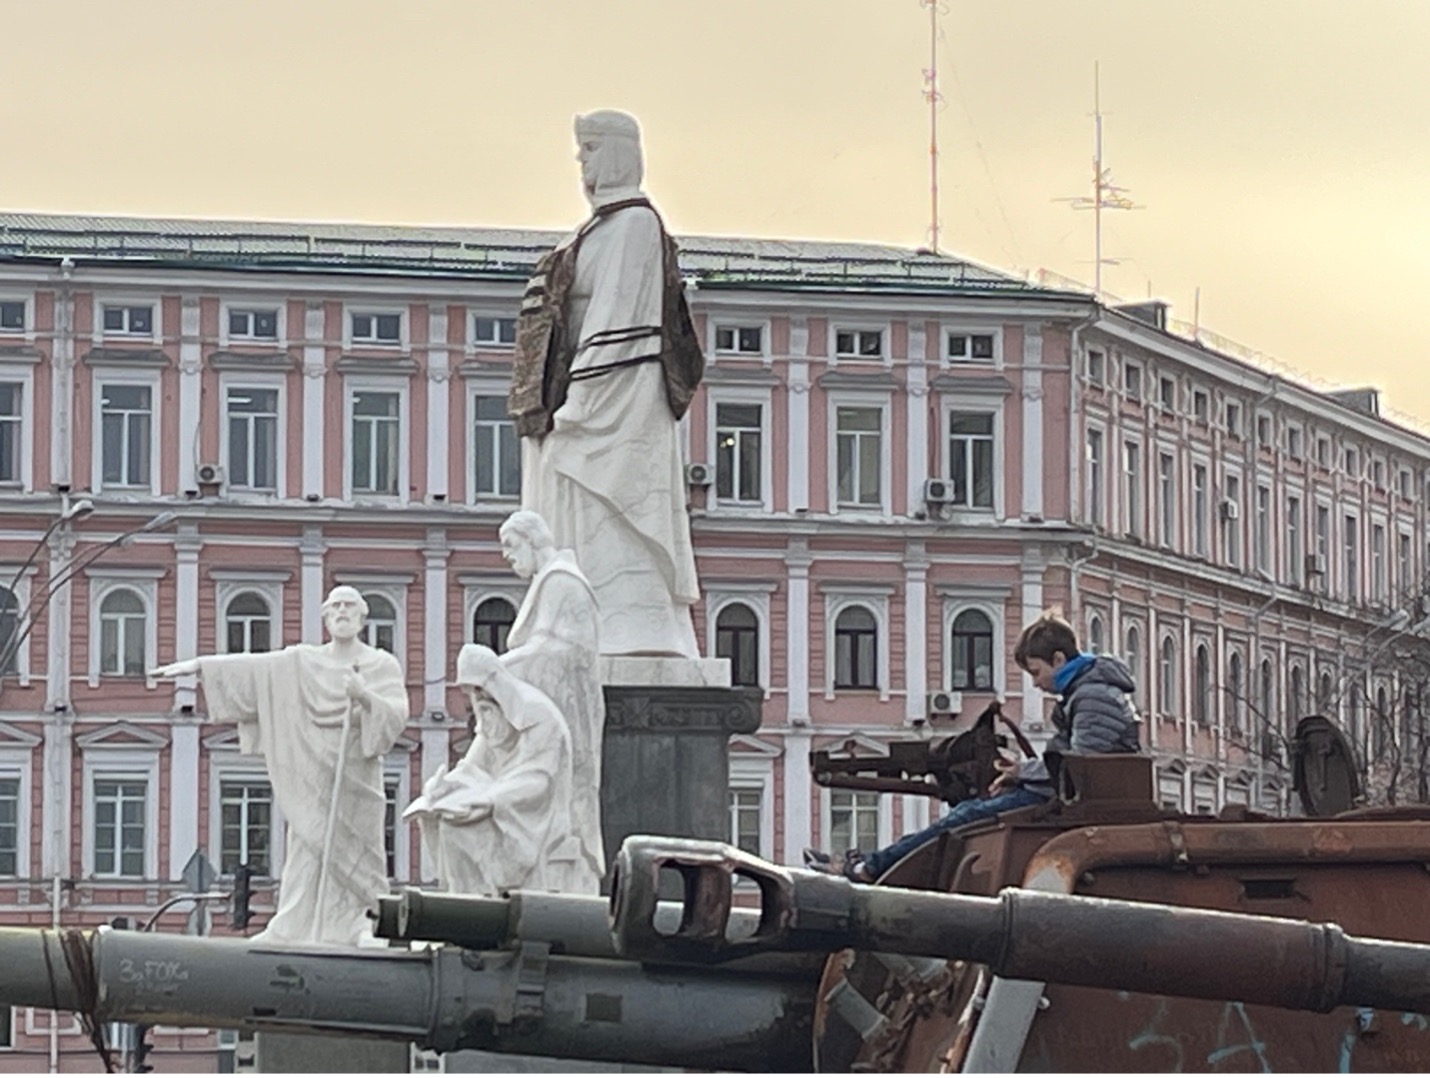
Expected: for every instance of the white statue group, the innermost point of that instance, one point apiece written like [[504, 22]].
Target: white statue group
[[602, 481]]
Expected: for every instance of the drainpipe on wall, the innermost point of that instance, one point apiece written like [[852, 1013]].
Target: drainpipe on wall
[[62, 379], [1075, 564], [1254, 673]]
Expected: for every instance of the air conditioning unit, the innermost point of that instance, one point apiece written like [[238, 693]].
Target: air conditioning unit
[[945, 703], [699, 475], [1315, 565], [938, 491], [209, 475], [1230, 509]]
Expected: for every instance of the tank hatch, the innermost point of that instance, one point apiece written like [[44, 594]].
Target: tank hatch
[[1325, 768]]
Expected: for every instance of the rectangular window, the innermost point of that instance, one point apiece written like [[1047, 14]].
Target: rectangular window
[[1132, 487], [1263, 431], [1377, 562], [1403, 483], [970, 347], [1377, 474], [1402, 562], [853, 821], [1352, 558], [120, 806], [740, 340], [1132, 381], [1231, 521], [1200, 508], [859, 343], [489, 332], [745, 820], [1166, 499], [375, 328], [391, 788], [1295, 552], [246, 826], [859, 449], [1167, 394], [739, 462], [1263, 529], [1293, 442], [137, 321], [497, 453], [970, 459], [1351, 462], [1095, 498], [253, 323], [1233, 419], [377, 442], [1323, 452], [1095, 366], [1201, 406], [1323, 544], [12, 315], [252, 438], [12, 419], [10, 826], [126, 425]]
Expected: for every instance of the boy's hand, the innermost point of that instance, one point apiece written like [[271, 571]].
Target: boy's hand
[[1007, 777]]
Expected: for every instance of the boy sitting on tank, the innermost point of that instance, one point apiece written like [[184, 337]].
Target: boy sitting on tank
[[1093, 715]]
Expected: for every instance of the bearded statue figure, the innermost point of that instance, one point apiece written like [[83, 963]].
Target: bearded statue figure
[[606, 364]]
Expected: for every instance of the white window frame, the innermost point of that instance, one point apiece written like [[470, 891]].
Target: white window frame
[[478, 589], [265, 381], [1200, 537], [473, 313], [354, 384], [154, 302], [253, 303], [392, 588], [763, 397], [879, 399], [23, 375], [755, 770], [1094, 477], [885, 829], [970, 330], [232, 767], [1168, 531], [229, 584], [484, 387], [1233, 532], [153, 381], [145, 584], [397, 764], [975, 403], [876, 600], [757, 597], [735, 322], [954, 605], [23, 593], [122, 764], [17, 762], [882, 328], [1203, 398], [27, 331], [404, 328], [1132, 490], [1137, 394]]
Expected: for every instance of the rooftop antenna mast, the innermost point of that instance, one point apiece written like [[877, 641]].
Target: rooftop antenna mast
[[934, 99], [1106, 195]]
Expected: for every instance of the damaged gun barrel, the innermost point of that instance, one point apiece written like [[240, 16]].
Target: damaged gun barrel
[[1020, 934], [523, 1000]]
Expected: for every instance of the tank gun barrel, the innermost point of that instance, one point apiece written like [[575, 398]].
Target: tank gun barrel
[[522, 1000], [1020, 934]]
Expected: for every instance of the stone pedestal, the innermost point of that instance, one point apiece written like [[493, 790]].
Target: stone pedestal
[[665, 768]]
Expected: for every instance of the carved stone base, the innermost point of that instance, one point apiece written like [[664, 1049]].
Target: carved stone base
[[665, 769]]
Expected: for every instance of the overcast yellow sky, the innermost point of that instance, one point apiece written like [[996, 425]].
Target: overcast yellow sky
[[1281, 147]]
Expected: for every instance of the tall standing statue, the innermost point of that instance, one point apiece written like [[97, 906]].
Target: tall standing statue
[[606, 364], [322, 717]]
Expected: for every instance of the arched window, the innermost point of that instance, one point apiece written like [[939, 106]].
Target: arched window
[[1296, 698], [1381, 727], [380, 627], [249, 623], [856, 649], [971, 664], [1095, 638], [1353, 714], [1132, 652], [123, 627], [1324, 693], [9, 630], [1266, 696], [492, 622], [737, 638], [1235, 693], [1202, 689], [1167, 677]]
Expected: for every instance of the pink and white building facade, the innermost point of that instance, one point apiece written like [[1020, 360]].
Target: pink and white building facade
[[897, 460]]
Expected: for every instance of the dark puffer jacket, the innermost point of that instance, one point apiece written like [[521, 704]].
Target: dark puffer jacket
[[1094, 715]]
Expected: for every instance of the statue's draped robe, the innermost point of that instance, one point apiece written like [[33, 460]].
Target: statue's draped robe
[[289, 706], [552, 645], [524, 780], [609, 477]]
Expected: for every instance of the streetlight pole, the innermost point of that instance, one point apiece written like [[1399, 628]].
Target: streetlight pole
[[69, 512]]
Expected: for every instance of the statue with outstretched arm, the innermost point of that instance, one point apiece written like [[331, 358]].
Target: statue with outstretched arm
[[322, 717]]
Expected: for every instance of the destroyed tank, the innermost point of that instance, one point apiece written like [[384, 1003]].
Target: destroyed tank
[[1097, 932]]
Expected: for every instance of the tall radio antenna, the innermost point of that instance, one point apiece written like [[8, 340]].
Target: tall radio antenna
[[1106, 195], [934, 99]]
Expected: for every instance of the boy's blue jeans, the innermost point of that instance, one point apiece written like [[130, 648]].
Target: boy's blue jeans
[[965, 812]]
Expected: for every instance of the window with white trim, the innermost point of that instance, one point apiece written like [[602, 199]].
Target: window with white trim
[[496, 455], [376, 442], [739, 340], [1352, 558], [120, 837], [746, 814], [1266, 694], [248, 623], [1295, 548], [1096, 634], [1403, 570], [1293, 442], [961, 346], [1323, 545], [375, 327], [1200, 508], [380, 626], [1132, 380], [971, 646], [971, 459], [853, 821], [245, 825], [1379, 587], [1323, 451], [1263, 527], [12, 432], [1096, 498], [10, 832], [1167, 393], [253, 323], [1201, 406], [123, 633], [859, 343], [1168, 672], [859, 456], [9, 630], [12, 315], [737, 638], [1235, 693], [126, 431], [1202, 686], [492, 621], [856, 649], [1231, 520], [1132, 655], [489, 331], [1132, 488], [739, 452], [1166, 499], [128, 320], [252, 420], [1095, 366], [1232, 420]]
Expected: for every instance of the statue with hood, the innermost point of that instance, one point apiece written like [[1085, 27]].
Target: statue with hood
[[606, 364]]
